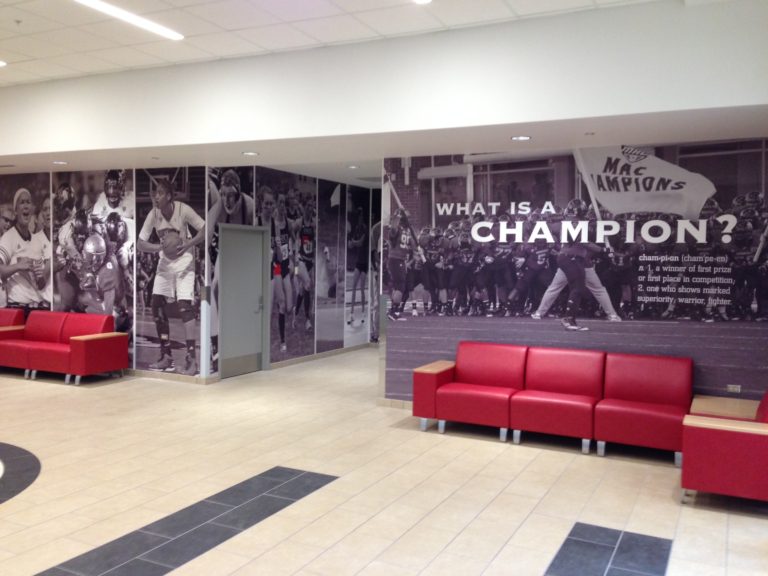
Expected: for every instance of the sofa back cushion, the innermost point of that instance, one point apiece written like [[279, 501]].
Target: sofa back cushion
[[653, 379], [565, 371], [81, 324], [44, 326], [762, 410], [491, 364], [11, 316]]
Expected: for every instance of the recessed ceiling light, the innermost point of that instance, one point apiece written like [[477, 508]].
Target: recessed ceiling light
[[589, 133], [521, 138], [60, 162], [250, 153], [131, 18], [3, 64], [422, 1], [155, 157], [353, 166]]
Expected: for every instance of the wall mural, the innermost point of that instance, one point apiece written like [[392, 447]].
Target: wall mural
[[357, 296], [331, 265], [658, 251]]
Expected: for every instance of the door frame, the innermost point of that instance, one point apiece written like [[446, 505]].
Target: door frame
[[266, 285]]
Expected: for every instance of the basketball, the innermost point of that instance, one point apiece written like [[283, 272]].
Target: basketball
[[170, 243]]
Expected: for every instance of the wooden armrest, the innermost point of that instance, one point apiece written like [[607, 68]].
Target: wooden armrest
[[10, 328], [435, 367], [760, 428], [99, 336], [724, 407]]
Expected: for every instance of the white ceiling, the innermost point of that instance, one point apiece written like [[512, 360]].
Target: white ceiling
[[49, 39]]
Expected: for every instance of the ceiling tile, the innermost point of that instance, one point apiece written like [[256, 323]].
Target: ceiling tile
[[407, 19], [304, 10], [462, 13], [225, 44], [233, 14], [45, 69], [12, 75], [120, 32], [22, 22], [185, 23], [143, 6], [280, 37], [75, 40], [363, 5], [336, 29], [175, 51], [63, 11], [10, 57], [85, 63], [533, 7], [32, 47], [128, 57], [185, 3]]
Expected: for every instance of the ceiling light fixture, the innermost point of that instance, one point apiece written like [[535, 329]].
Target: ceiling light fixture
[[353, 166], [3, 64], [131, 18], [521, 138], [250, 153], [422, 1], [59, 162]]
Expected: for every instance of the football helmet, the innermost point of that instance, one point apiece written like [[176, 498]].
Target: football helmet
[[114, 186], [94, 252], [576, 208], [117, 229]]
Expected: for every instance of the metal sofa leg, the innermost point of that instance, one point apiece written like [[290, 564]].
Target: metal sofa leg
[[77, 380], [679, 459], [441, 426], [585, 443], [515, 436], [67, 378], [601, 447], [423, 423], [33, 375], [503, 434], [26, 373]]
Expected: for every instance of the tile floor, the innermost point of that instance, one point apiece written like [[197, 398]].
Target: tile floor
[[120, 455]]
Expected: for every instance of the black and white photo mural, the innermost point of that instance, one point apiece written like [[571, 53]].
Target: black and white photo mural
[[25, 241], [170, 213], [358, 254], [286, 204], [374, 275], [331, 264]]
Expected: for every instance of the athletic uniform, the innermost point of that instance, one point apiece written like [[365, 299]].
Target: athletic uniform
[[21, 287], [102, 209]]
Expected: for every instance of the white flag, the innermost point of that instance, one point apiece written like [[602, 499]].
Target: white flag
[[626, 179]]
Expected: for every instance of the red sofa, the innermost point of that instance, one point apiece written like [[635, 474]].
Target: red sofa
[[645, 399], [65, 342], [726, 455], [11, 317], [585, 394]]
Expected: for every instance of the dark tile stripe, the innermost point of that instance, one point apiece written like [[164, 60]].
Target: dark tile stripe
[[176, 539], [21, 469]]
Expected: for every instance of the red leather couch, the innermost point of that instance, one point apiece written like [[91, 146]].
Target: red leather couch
[[645, 399], [11, 317], [559, 391], [727, 455], [65, 342]]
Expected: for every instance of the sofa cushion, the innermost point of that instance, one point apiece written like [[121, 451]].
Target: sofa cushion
[[43, 326], [474, 403], [762, 410], [565, 371], [11, 316], [552, 413], [655, 379], [491, 364], [82, 324], [49, 357], [13, 353], [640, 424]]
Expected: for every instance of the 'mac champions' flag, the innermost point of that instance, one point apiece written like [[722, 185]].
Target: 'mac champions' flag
[[626, 179]]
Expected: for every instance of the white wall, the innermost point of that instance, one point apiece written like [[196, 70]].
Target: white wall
[[645, 58]]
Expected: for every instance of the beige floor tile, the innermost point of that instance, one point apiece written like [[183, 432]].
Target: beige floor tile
[[377, 568], [329, 529], [109, 529], [213, 563], [417, 548], [701, 544], [263, 536], [531, 483], [429, 494], [43, 533], [679, 567], [543, 533], [7, 528], [452, 565], [284, 559], [394, 521], [655, 515], [481, 540], [349, 556], [42, 557], [517, 561]]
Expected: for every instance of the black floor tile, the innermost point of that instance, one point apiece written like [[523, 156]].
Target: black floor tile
[[577, 557], [596, 534], [54, 572], [113, 554], [190, 545], [619, 572], [281, 473], [139, 568], [187, 519], [253, 512], [302, 485], [640, 553], [241, 493]]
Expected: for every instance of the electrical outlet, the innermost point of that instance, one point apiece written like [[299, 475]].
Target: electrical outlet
[[734, 388]]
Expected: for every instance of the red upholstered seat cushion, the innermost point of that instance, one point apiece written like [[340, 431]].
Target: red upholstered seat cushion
[[11, 316], [50, 357], [83, 324], [43, 326], [491, 364], [552, 413], [640, 424], [13, 353], [474, 403], [762, 410], [654, 379], [565, 371]]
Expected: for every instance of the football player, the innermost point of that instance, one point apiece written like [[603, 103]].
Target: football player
[[113, 198]]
